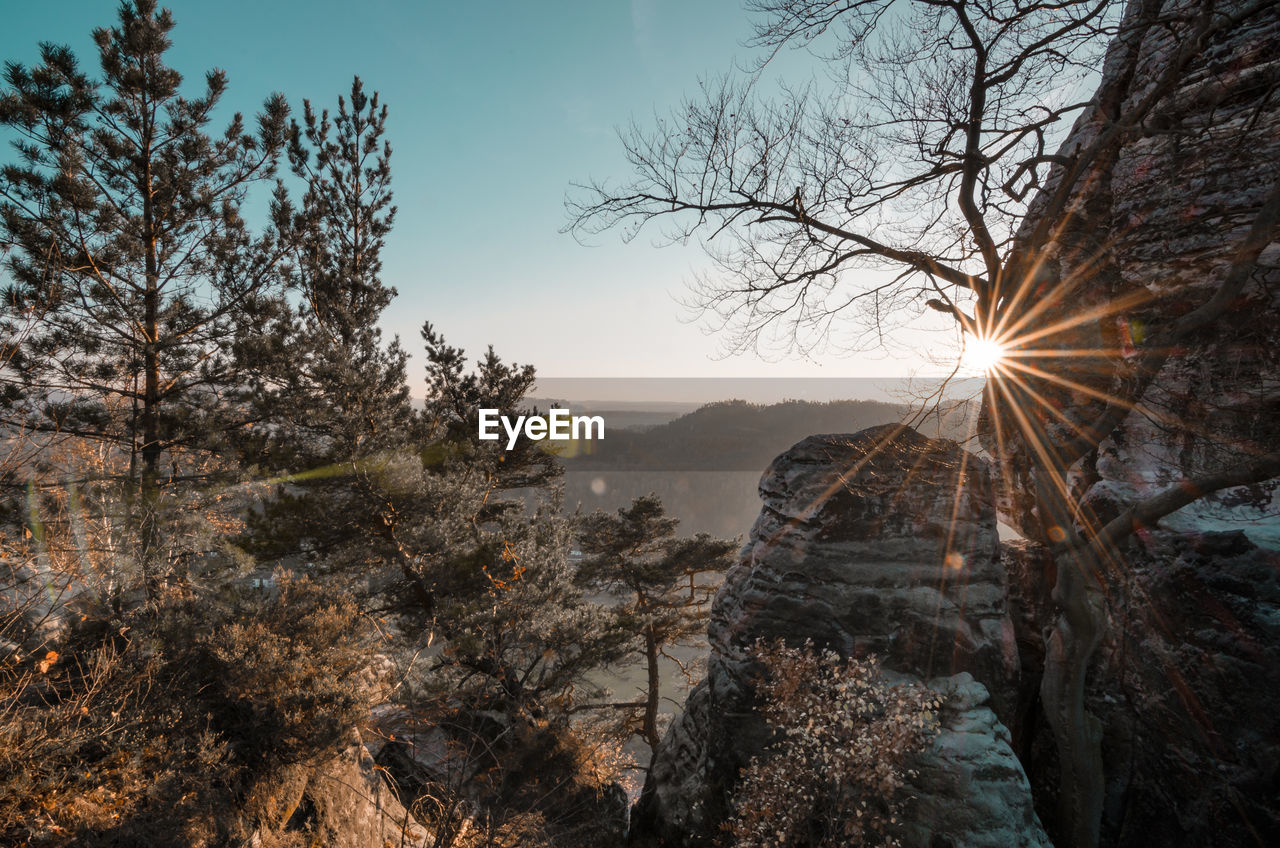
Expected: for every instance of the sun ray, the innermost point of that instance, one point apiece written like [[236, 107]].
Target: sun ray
[[998, 426], [1011, 381], [1068, 383], [1082, 272], [1061, 353], [1033, 439], [1124, 303], [949, 551], [1044, 402], [1154, 414]]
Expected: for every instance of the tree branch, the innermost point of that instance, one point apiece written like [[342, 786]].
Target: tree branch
[[1147, 512]]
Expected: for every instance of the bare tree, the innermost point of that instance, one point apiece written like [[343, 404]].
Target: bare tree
[[935, 157], [917, 159]]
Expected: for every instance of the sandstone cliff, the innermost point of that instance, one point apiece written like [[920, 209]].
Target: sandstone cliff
[[1184, 685], [1147, 234], [885, 541], [881, 542], [1153, 268], [1137, 679]]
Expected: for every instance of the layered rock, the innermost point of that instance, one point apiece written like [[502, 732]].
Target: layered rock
[[970, 790], [883, 542], [1148, 233], [1185, 685], [1151, 232]]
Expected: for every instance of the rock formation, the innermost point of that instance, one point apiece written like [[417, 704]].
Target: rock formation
[[1171, 219], [881, 542], [1151, 263], [344, 803], [1184, 685], [855, 548], [1146, 235]]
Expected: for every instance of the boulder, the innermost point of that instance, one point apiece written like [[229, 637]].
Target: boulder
[[343, 803], [881, 542], [970, 790]]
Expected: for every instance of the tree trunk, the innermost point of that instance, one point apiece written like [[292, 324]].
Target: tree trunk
[[1069, 648], [650, 730], [153, 577]]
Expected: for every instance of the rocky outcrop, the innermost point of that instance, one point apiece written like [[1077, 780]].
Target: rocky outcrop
[[1147, 234], [349, 805], [970, 790], [1171, 633], [1174, 636], [1185, 685], [883, 542], [343, 803]]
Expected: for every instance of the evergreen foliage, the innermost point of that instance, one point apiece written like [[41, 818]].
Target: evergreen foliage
[[163, 354], [635, 554], [342, 393], [455, 397], [132, 273], [337, 397]]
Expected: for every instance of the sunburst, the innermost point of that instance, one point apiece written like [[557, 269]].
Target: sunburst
[[983, 354]]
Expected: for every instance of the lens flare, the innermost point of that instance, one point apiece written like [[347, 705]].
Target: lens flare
[[983, 354]]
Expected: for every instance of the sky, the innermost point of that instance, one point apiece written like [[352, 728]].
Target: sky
[[496, 109]]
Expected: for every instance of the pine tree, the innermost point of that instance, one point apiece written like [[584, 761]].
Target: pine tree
[[133, 272], [339, 398], [635, 554], [451, 414], [357, 387]]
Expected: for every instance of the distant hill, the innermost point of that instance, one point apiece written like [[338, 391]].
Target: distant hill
[[620, 414], [730, 435]]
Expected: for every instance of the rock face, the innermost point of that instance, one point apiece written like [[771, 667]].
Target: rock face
[[1185, 680], [1185, 685], [970, 789], [847, 552], [352, 806], [1148, 235], [344, 803], [880, 542]]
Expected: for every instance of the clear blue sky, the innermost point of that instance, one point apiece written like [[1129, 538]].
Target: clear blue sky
[[495, 108]]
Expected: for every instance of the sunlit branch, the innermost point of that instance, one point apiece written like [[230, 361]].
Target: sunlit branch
[[1147, 512]]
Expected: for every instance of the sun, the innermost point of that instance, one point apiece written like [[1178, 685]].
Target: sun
[[983, 354]]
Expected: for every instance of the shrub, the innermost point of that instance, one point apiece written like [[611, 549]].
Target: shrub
[[835, 772], [175, 725]]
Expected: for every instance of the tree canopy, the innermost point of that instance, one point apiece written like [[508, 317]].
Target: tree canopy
[[132, 271]]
